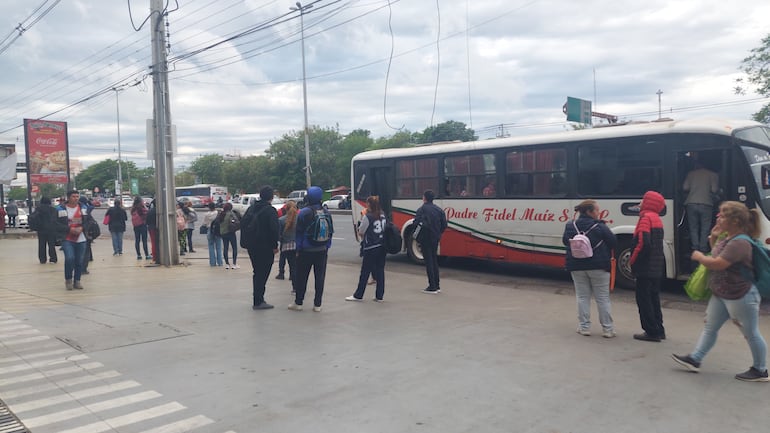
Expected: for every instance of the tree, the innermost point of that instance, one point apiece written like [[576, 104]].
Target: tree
[[447, 131], [103, 175], [184, 178], [757, 68], [247, 175], [209, 168]]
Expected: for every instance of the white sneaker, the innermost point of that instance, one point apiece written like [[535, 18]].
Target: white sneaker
[[317, 309], [295, 307], [227, 266], [237, 267], [609, 334], [353, 298], [585, 332]]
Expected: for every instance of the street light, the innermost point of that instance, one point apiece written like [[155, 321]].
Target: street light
[[119, 187], [302, 10]]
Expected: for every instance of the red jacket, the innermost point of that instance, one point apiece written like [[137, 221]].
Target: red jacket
[[647, 259]]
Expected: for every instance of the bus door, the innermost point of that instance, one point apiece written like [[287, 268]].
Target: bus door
[[374, 178], [715, 160]]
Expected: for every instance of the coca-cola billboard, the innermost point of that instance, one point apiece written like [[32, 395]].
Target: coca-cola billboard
[[47, 151]]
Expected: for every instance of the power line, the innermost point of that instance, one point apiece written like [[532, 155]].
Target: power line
[[21, 28]]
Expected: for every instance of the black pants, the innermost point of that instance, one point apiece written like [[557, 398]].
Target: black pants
[[189, 239], [46, 241], [140, 237], [648, 301], [88, 256], [430, 255], [373, 263], [282, 261], [305, 261], [261, 263]]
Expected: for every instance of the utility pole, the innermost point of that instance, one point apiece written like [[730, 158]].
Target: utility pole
[[165, 201], [119, 186], [302, 10], [659, 92]]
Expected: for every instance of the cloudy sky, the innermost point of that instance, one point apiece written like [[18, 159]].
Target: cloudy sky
[[236, 80]]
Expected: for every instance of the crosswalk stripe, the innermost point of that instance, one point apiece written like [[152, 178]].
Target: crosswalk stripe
[[75, 395], [23, 392], [40, 364], [89, 408], [25, 340], [37, 355], [37, 376], [131, 418], [14, 327], [182, 426]]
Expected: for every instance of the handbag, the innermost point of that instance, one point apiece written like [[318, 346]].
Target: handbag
[[204, 230], [613, 270], [106, 220], [697, 287]]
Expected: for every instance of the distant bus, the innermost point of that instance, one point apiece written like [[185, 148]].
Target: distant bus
[[509, 199], [208, 193]]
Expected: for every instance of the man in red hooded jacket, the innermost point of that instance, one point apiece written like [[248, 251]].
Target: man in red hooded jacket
[[647, 264]]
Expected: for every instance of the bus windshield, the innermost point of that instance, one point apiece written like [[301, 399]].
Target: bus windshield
[[759, 161]]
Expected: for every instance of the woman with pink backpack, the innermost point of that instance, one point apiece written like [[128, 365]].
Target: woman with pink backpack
[[139, 221], [589, 245]]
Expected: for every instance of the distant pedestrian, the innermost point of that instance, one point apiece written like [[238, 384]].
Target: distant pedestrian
[[139, 222], [46, 216], [117, 225], [181, 228], [2, 217], [152, 230], [647, 265], [733, 292], [430, 222], [228, 234], [88, 256], [73, 215], [190, 217], [264, 246], [591, 275], [213, 237], [701, 186], [371, 229], [311, 254], [287, 224], [12, 210]]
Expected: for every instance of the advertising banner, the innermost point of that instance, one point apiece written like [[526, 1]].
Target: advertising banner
[[47, 151], [7, 163]]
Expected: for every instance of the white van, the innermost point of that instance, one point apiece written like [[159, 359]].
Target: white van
[[297, 195], [243, 202]]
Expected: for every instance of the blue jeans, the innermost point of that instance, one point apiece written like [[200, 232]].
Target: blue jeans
[[745, 314], [215, 249], [594, 282], [73, 258], [699, 224], [117, 242]]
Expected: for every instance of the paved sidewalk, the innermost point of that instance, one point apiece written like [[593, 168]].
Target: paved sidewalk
[[475, 358]]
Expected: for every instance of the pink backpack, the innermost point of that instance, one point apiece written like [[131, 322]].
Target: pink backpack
[[580, 245]]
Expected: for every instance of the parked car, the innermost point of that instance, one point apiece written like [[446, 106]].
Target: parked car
[[22, 220], [297, 195], [196, 201], [127, 201], [337, 202], [244, 201]]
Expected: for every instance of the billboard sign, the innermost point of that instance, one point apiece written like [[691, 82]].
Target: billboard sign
[[47, 151]]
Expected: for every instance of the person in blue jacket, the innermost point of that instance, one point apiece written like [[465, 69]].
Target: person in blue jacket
[[309, 254], [591, 275]]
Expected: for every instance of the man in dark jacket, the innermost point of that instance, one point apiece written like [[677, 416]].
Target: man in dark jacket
[[46, 231], [431, 222], [647, 264], [12, 211], [309, 253], [263, 248]]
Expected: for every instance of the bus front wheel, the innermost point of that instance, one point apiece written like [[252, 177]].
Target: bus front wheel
[[413, 250], [624, 278]]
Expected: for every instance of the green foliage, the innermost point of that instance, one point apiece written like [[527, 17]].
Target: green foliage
[[247, 175], [447, 131], [209, 168], [51, 191], [757, 68], [104, 173], [184, 178], [17, 194]]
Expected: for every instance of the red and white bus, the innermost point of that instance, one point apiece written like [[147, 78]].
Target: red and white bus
[[208, 193], [509, 199]]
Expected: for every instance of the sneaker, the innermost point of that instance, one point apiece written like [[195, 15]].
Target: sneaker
[[139, 257], [236, 266], [353, 298], [690, 364], [609, 334], [148, 258], [753, 375], [227, 266], [377, 300], [279, 277], [584, 332], [68, 284], [430, 291], [262, 306], [295, 307], [78, 286], [646, 337], [318, 310]]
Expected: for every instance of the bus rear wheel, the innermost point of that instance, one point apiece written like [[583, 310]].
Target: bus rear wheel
[[624, 277], [413, 250]]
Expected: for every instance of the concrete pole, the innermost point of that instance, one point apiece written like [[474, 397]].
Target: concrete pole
[[302, 10], [119, 190], [168, 245]]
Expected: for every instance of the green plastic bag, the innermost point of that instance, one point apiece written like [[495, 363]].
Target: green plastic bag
[[697, 286]]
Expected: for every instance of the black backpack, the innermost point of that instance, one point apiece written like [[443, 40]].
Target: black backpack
[[250, 227], [393, 238], [34, 220]]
